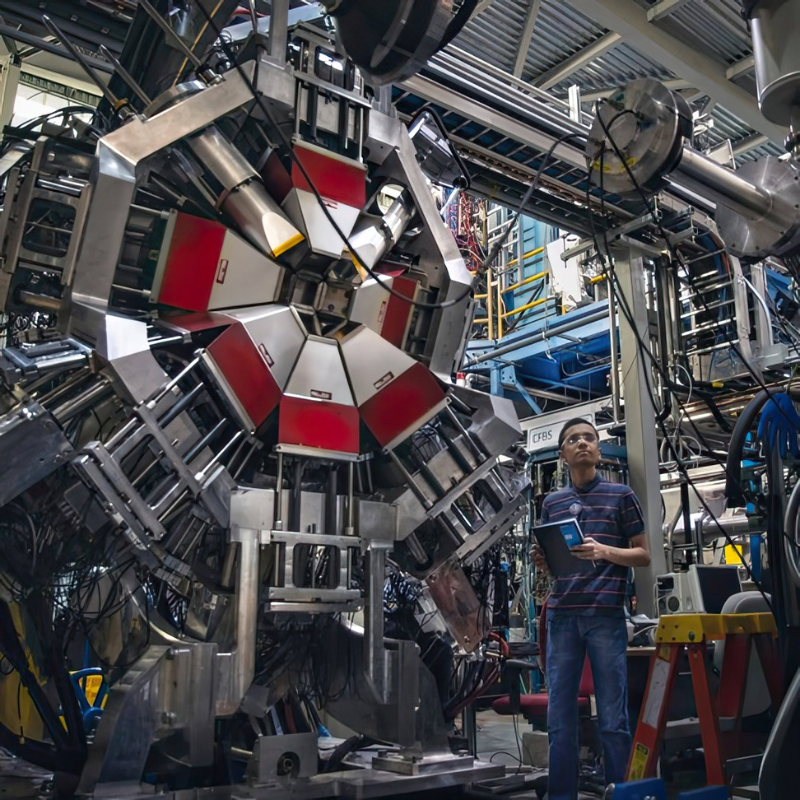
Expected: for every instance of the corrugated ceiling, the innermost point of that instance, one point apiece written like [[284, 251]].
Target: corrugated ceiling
[[714, 26]]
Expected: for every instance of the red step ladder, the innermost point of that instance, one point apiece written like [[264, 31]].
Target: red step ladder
[[692, 632]]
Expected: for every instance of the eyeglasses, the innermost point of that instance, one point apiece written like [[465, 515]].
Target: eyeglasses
[[589, 438]]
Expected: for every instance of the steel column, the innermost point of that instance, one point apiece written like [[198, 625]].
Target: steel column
[[640, 421], [9, 80]]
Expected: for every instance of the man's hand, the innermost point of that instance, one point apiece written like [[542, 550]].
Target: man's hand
[[590, 550]]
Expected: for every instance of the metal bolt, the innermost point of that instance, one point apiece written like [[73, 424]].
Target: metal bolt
[[691, 636]]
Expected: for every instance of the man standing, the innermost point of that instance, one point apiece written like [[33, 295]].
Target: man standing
[[585, 611]]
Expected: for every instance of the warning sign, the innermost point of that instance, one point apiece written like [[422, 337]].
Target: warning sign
[[655, 692], [638, 763]]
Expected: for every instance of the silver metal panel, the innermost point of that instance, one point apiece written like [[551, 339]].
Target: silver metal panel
[[123, 343], [277, 333], [447, 338], [304, 210], [376, 520], [31, 447], [283, 758], [370, 302], [253, 509], [188, 699], [372, 363], [128, 726], [102, 244], [140, 137], [319, 373], [235, 670]]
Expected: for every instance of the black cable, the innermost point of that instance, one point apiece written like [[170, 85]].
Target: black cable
[[519, 743], [504, 753], [677, 257], [674, 252], [644, 350], [288, 145]]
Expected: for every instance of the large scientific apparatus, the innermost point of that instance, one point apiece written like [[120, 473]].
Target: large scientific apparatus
[[229, 417]]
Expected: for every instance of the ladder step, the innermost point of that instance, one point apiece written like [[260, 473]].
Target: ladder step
[[735, 766]]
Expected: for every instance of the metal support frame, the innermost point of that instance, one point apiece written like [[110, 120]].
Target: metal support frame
[[509, 376], [9, 80], [640, 421], [742, 67], [663, 9], [526, 37], [601, 94], [685, 61], [482, 6], [578, 60], [279, 30]]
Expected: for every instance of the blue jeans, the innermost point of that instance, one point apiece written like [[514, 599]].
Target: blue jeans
[[605, 639]]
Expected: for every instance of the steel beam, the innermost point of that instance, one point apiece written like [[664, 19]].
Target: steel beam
[[9, 80], [742, 67], [470, 109], [640, 420], [527, 36], [481, 7], [663, 9], [705, 73], [577, 61], [748, 144], [601, 94], [509, 377]]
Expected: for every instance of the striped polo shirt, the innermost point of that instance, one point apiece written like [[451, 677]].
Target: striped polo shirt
[[611, 514]]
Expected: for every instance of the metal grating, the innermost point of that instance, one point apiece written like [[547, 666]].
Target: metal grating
[[560, 31], [613, 69], [715, 26], [494, 34]]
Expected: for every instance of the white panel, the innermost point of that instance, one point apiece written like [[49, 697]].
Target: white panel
[[372, 363], [244, 276], [304, 210], [370, 303], [567, 276], [319, 373], [277, 333]]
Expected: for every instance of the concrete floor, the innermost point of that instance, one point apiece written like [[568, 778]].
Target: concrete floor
[[20, 780], [496, 742]]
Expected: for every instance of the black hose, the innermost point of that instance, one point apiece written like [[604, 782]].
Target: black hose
[[733, 466]]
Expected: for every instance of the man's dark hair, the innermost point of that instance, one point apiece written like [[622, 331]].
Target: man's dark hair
[[571, 423]]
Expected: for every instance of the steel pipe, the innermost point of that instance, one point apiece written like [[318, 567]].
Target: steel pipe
[[555, 330], [723, 186]]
